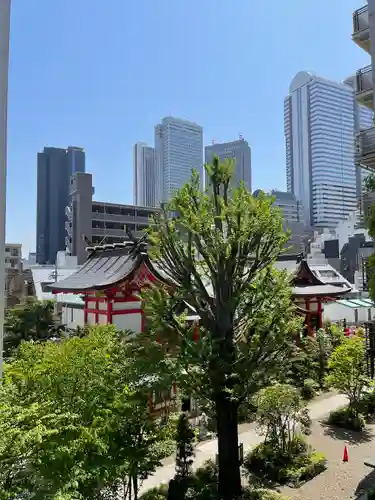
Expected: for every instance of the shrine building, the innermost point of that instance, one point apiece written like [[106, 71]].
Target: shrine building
[[113, 275]]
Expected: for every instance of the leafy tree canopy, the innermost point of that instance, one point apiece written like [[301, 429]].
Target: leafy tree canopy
[[32, 320], [74, 421], [217, 248]]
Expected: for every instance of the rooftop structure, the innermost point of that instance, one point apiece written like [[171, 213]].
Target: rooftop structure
[[94, 222], [114, 274]]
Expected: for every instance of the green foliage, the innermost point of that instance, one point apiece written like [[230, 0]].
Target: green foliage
[[297, 464], [369, 183], [348, 370], [367, 404], [347, 418], [33, 320], [218, 250], [335, 335], [203, 486], [309, 361], [185, 447], [83, 427], [284, 456], [282, 416], [309, 388]]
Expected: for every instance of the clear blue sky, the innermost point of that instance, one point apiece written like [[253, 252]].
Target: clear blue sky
[[101, 73]]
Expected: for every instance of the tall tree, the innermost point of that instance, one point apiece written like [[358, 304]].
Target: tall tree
[[83, 424], [185, 447], [217, 248], [31, 320]]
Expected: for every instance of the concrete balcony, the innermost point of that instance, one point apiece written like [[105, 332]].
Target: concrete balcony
[[68, 212], [365, 148], [361, 32], [364, 87]]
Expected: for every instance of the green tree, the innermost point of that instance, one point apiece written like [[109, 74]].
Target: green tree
[[185, 447], [32, 320], [282, 415], [348, 370], [83, 427], [218, 248]]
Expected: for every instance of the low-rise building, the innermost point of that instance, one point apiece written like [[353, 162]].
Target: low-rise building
[[91, 222], [13, 256]]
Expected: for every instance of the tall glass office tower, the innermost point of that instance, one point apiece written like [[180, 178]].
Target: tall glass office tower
[[320, 121], [178, 150]]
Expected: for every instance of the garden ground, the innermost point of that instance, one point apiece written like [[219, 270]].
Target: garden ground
[[339, 481], [319, 407]]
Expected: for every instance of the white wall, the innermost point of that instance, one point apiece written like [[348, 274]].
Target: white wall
[[72, 317]]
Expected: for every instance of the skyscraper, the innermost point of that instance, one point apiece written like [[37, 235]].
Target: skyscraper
[[240, 151], [178, 150], [320, 121], [55, 167], [144, 175]]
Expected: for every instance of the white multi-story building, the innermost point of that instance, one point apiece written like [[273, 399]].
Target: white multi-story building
[[13, 256], [321, 118], [178, 150], [238, 150], [144, 175]]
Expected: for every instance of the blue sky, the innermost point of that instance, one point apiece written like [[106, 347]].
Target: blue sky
[[101, 73]]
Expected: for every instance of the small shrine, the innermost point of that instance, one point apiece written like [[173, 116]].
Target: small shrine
[[113, 275], [110, 281], [310, 293]]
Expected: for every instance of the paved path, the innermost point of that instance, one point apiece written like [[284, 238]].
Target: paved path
[[248, 436]]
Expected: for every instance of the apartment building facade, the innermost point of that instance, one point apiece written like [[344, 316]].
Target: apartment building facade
[[91, 222]]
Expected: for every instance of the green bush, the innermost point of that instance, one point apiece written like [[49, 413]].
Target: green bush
[[158, 493], [203, 486], [367, 404], [347, 418], [299, 463], [309, 388], [371, 495]]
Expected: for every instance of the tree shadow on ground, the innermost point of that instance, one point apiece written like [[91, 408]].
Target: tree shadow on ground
[[351, 437], [365, 484]]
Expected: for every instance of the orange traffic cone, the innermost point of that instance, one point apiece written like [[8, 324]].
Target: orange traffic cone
[[346, 455]]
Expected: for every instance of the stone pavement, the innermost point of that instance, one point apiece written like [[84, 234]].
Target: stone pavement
[[320, 407]]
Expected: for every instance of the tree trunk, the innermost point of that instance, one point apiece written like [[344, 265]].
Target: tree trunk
[[227, 430]]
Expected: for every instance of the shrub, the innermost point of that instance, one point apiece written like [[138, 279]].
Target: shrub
[[347, 418], [158, 493], [282, 416], [203, 486], [299, 463], [371, 495], [348, 370], [309, 388], [367, 404]]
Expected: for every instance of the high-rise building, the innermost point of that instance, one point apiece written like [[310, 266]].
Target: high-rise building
[[238, 150], [144, 175], [294, 218], [320, 121], [178, 150], [55, 168]]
